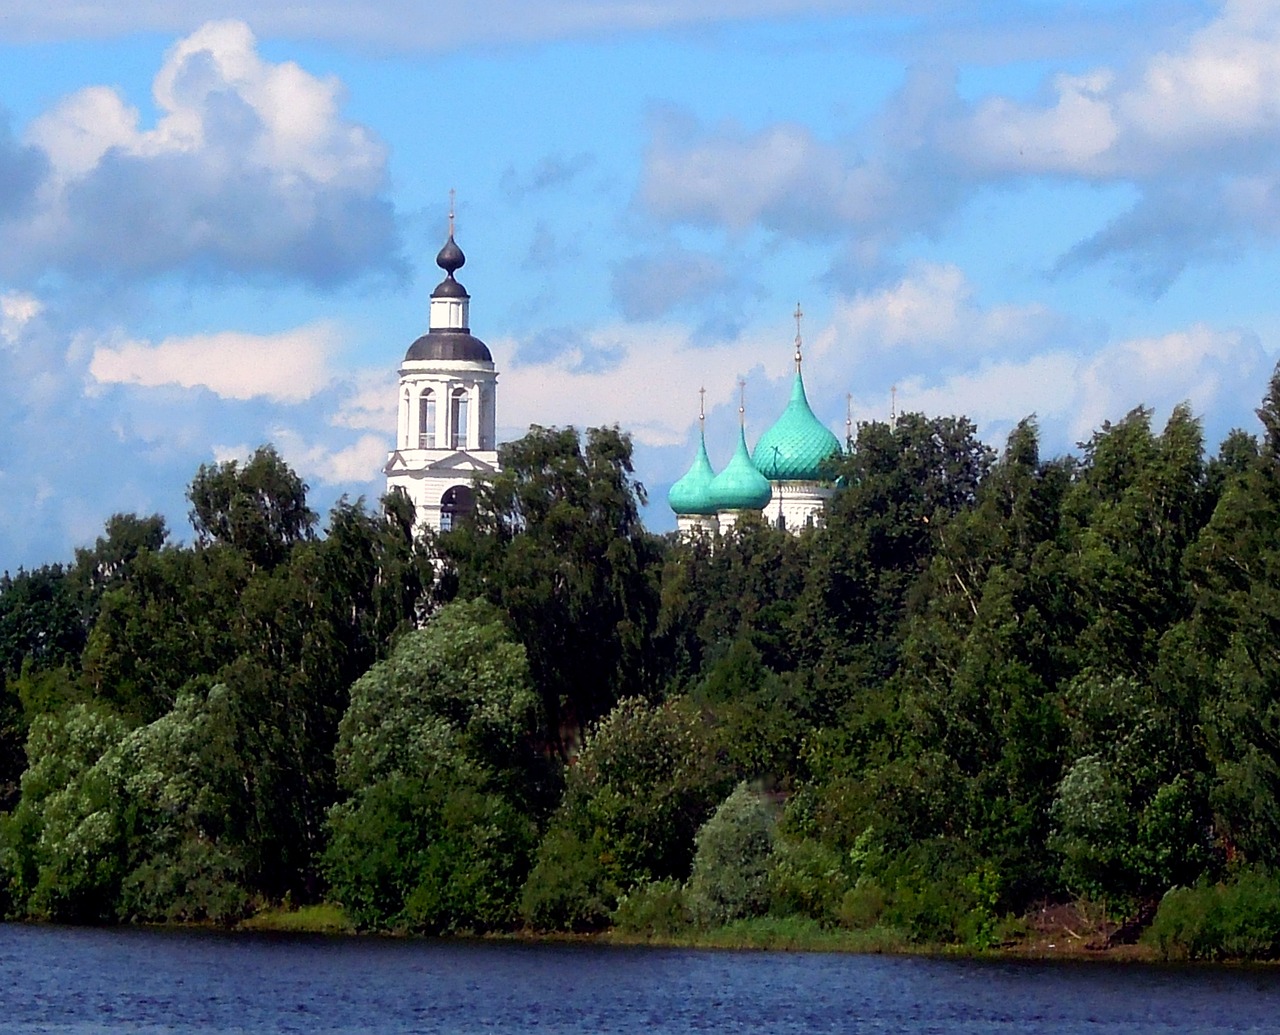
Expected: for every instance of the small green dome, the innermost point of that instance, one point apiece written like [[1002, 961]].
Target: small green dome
[[797, 445], [740, 486], [692, 493]]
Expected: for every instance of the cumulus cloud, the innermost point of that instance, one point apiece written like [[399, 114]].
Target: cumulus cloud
[[664, 359], [288, 367], [933, 310], [1193, 126], [863, 192], [1221, 373], [17, 310], [249, 169], [369, 404]]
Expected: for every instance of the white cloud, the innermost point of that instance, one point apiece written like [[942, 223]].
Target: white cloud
[[932, 308], [1221, 88], [17, 309], [288, 367], [1219, 372], [359, 462], [370, 404], [249, 167], [652, 391], [1212, 369]]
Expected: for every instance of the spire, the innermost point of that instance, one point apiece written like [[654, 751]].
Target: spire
[[848, 422]]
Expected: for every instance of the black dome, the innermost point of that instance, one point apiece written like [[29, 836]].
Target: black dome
[[450, 259], [449, 288], [449, 344]]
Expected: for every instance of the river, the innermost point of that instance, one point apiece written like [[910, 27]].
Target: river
[[64, 980]]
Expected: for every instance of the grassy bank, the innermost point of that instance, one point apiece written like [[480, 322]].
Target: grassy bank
[[325, 918]]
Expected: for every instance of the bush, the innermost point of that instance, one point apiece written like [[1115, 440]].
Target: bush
[[654, 910], [1239, 920], [568, 888], [730, 877], [807, 879]]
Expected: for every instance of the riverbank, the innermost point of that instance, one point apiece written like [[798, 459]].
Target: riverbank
[[1074, 932]]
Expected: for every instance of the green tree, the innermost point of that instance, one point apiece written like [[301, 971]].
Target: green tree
[[557, 543], [647, 777], [435, 754], [259, 508]]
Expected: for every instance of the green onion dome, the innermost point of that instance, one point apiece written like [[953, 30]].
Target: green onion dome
[[692, 493], [740, 486], [798, 444]]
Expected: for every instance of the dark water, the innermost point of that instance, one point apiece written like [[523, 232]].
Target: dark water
[[72, 980]]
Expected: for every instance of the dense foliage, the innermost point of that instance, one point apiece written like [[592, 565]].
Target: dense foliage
[[984, 682]]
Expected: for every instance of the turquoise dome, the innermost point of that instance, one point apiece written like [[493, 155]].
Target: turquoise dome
[[692, 493], [798, 444], [740, 486]]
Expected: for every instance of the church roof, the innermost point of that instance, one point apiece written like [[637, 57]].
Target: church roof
[[692, 493], [449, 343], [740, 486], [798, 445]]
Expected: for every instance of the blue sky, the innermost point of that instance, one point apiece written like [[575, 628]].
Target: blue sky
[[218, 224]]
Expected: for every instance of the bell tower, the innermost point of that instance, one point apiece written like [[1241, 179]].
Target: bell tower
[[446, 407]]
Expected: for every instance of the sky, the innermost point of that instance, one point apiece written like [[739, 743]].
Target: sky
[[219, 220]]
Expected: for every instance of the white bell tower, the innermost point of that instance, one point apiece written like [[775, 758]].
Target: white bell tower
[[446, 407]]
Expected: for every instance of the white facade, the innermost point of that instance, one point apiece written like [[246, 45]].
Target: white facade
[[796, 505]]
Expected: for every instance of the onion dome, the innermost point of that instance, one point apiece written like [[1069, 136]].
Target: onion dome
[[692, 493], [740, 486], [798, 445], [450, 257]]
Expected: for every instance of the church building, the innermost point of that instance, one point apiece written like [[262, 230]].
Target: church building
[[784, 478], [446, 404]]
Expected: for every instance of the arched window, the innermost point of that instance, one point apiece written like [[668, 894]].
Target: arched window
[[458, 420], [427, 420], [456, 507]]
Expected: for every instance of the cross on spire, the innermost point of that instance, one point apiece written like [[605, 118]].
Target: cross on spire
[[742, 402], [453, 196], [799, 315], [702, 403]]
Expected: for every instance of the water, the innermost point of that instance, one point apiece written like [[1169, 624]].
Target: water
[[60, 980]]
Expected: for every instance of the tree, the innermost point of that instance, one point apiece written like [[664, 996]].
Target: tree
[[730, 878], [435, 755], [646, 778], [557, 543], [259, 508]]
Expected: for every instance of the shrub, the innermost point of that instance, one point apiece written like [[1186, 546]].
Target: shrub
[[654, 909], [807, 879], [730, 877], [1238, 920], [568, 888]]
